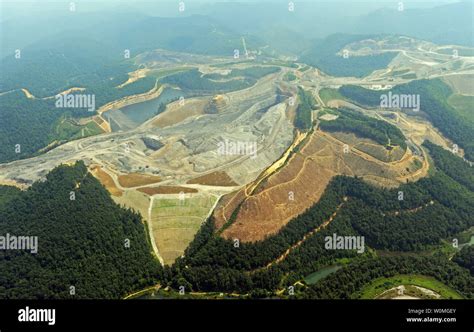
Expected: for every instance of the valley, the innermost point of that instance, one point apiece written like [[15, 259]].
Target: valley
[[227, 150], [164, 162]]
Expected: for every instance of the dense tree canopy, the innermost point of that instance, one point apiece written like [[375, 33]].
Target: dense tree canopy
[[364, 126], [87, 242], [433, 209], [433, 101], [328, 55]]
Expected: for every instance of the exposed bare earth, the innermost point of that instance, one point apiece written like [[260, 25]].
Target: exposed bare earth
[[461, 84], [187, 137], [306, 236], [371, 147], [271, 187], [300, 183], [166, 190], [134, 76], [106, 180], [175, 220], [176, 113], [218, 178], [408, 292], [136, 180], [29, 95]]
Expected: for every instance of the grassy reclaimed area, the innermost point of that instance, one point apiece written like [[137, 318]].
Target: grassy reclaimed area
[[378, 286], [363, 126], [307, 104], [453, 121], [68, 129], [289, 77], [328, 94], [326, 55], [192, 80], [174, 218], [464, 106]]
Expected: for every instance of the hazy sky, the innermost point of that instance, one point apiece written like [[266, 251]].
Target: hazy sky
[[27, 8]]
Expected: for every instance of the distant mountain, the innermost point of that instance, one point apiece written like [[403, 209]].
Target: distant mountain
[[80, 56], [91, 57], [323, 54], [23, 31], [446, 24], [283, 30]]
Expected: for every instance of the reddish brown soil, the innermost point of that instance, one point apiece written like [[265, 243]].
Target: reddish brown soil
[[304, 178], [282, 196], [106, 180], [218, 178], [137, 179], [166, 190]]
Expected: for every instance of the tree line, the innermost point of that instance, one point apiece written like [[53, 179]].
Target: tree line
[[88, 247]]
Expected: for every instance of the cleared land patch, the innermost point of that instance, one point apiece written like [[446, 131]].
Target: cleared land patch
[[290, 190], [167, 190], [379, 287], [321, 274], [106, 180], [328, 117], [464, 106], [70, 129], [328, 94], [217, 178], [137, 179], [371, 147], [135, 200], [176, 113], [175, 222], [461, 84]]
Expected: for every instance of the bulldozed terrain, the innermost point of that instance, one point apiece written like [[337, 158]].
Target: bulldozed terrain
[[177, 164], [175, 219], [300, 183]]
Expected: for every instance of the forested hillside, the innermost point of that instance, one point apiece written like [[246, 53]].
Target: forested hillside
[[433, 99], [364, 126], [193, 80], [323, 55], [306, 104], [465, 258], [82, 58], [84, 240], [433, 209], [93, 58], [28, 123], [32, 122], [348, 282]]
